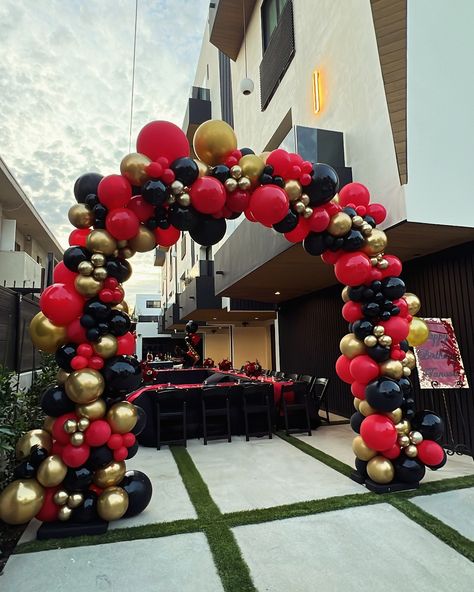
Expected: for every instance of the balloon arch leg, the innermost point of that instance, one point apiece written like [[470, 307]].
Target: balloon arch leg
[[72, 471]]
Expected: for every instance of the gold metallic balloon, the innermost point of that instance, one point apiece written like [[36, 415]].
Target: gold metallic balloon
[[126, 253], [392, 369], [60, 497], [110, 475], [46, 336], [244, 183], [378, 330], [403, 441], [106, 346], [64, 513], [75, 500], [100, 241], [415, 437], [112, 503], [20, 501], [419, 332], [51, 471], [366, 409], [143, 241], [252, 167], [403, 427], [122, 417], [356, 402], [361, 450], [396, 415], [375, 243], [413, 302], [308, 213], [85, 268], [70, 426], [213, 141], [410, 360], [84, 386], [299, 207], [385, 340], [380, 470], [351, 347], [133, 168], [77, 439], [305, 199], [91, 411], [123, 306], [411, 451], [370, 341], [184, 200], [345, 294], [236, 172], [48, 423], [293, 189], [61, 376], [265, 155], [203, 168], [98, 260], [231, 184], [406, 371], [99, 274], [83, 423], [32, 438], [340, 224], [80, 216], [87, 285]]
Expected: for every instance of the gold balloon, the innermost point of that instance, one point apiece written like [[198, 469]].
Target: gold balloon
[[305, 200], [366, 409], [213, 141], [77, 439], [60, 497], [340, 224], [413, 302], [203, 168], [345, 294], [396, 415], [83, 423], [385, 340], [378, 330], [184, 200], [32, 438], [410, 360], [75, 500], [80, 216], [411, 451], [99, 274], [403, 427], [51, 471], [415, 437], [123, 306], [20, 501], [375, 243], [265, 155], [106, 346], [122, 417], [370, 341], [350, 346], [64, 513], [112, 503], [70, 426], [252, 167], [403, 441], [87, 285], [361, 450], [46, 336], [293, 190], [380, 470], [356, 402], [100, 241], [61, 376], [418, 333], [133, 167], [231, 184], [84, 386], [244, 183], [110, 475], [126, 253], [94, 410], [392, 369], [98, 260], [143, 241], [48, 423], [85, 268]]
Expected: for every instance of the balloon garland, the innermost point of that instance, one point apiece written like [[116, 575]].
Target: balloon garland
[[73, 469]]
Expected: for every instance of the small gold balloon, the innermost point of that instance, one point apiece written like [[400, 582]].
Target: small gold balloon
[[184, 200], [143, 241], [375, 242], [351, 347], [264, 155], [213, 141], [244, 183], [98, 260], [48, 424], [380, 470], [293, 190], [80, 216], [356, 402], [32, 438], [406, 371], [203, 168], [60, 497], [87, 286], [403, 427], [415, 437], [231, 184], [252, 167], [385, 340], [99, 274], [64, 513], [77, 439], [345, 294], [46, 336], [340, 224], [133, 167], [370, 341], [392, 369], [378, 330], [299, 207], [308, 212], [84, 386], [410, 360], [51, 471], [91, 411], [411, 451], [75, 500], [357, 221], [70, 426], [177, 187], [396, 415], [383, 264], [361, 450], [20, 501], [61, 376], [112, 503], [106, 346], [110, 475], [366, 409], [100, 241], [419, 332], [414, 303], [236, 172], [85, 268], [83, 423], [123, 306], [122, 417]]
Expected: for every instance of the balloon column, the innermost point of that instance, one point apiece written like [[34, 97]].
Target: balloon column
[[192, 340]]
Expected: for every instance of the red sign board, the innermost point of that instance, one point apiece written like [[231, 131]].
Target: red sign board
[[439, 360]]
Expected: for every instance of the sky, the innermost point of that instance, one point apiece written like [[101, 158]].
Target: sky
[[65, 87]]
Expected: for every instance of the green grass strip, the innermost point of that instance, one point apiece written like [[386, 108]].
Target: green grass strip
[[439, 529], [441, 486]]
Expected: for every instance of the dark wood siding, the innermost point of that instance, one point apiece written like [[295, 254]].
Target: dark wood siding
[[225, 81]]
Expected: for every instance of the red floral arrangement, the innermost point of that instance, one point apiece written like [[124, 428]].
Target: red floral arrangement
[[148, 373], [208, 363], [225, 365], [253, 368]]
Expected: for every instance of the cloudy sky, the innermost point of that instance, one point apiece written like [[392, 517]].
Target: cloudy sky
[[65, 84]]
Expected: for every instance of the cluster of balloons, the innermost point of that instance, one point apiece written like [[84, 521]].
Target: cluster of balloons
[[192, 339]]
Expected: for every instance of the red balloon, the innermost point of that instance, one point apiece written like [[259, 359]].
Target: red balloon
[[237, 201], [377, 211], [129, 439], [354, 193], [49, 510], [352, 311], [115, 442], [63, 275], [85, 350], [122, 223], [79, 362], [403, 306], [61, 304], [126, 345], [343, 369], [75, 456], [167, 237], [397, 328], [96, 362], [353, 269], [269, 204], [162, 138], [378, 432], [358, 390], [120, 454], [76, 332], [319, 220], [393, 452], [430, 453], [280, 161], [208, 195], [364, 369], [331, 257], [58, 428], [248, 214], [394, 266], [78, 237], [57, 448], [98, 433], [114, 191], [141, 208]]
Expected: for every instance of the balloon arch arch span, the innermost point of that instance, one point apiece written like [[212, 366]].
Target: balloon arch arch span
[[73, 469]]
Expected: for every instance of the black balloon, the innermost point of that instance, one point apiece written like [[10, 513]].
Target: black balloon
[[353, 241], [77, 479], [97, 309], [362, 329], [324, 184], [87, 511], [313, 244], [91, 201], [132, 451], [209, 231], [185, 170], [289, 222], [361, 466], [441, 464], [99, 457], [384, 394], [430, 425], [55, 402], [371, 309], [85, 184], [393, 288], [37, 455], [356, 419], [87, 321], [183, 218], [245, 151], [24, 470], [221, 172], [408, 470], [378, 353], [154, 192], [141, 421], [74, 256], [64, 356], [404, 345], [139, 489], [191, 327], [122, 375], [120, 269], [356, 293], [119, 323], [93, 334], [405, 385]]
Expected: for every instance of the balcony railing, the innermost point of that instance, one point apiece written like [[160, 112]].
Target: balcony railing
[[19, 270]]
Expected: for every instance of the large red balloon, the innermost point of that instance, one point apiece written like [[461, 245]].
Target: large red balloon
[[343, 369], [397, 328], [61, 304], [364, 369], [78, 237], [141, 208], [167, 237], [281, 162], [319, 220], [76, 332], [126, 345], [98, 433], [208, 195], [393, 452], [352, 311], [394, 266], [49, 510], [162, 138], [114, 191], [358, 389], [269, 204], [430, 453], [75, 456], [377, 211], [63, 275], [355, 194], [122, 223], [352, 269], [237, 201], [378, 432]]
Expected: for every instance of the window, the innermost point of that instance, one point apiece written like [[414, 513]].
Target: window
[[153, 303], [271, 12], [17, 247], [183, 245], [39, 260]]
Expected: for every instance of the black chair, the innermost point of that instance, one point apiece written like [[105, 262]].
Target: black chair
[[279, 375], [170, 405], [257, 399], [318, 394], [215, 403], [272, 373], [299, 408], [308, 379], [293, 377]]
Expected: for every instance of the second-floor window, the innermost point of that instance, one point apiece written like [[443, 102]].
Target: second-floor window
[[271, 11], [153, 303]]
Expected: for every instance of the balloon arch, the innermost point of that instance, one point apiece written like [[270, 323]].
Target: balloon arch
[[73, 469]]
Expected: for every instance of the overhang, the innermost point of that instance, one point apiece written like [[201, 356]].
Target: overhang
[[226, 24]]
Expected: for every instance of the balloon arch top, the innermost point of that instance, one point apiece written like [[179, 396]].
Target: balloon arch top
[[73, 469]]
